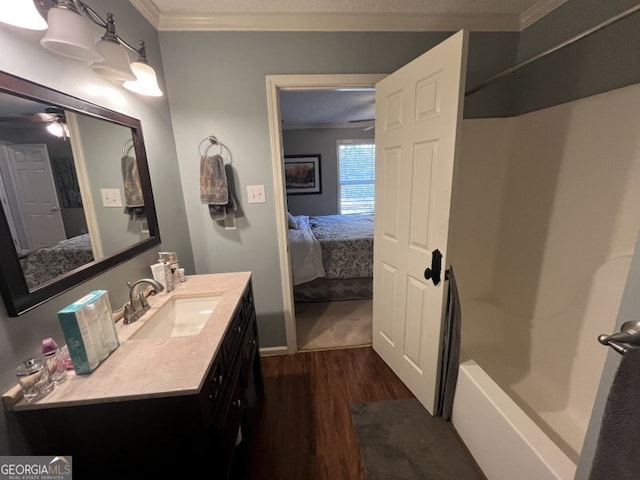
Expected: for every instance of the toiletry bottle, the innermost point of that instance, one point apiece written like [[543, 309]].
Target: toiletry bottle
[[95, 329], [109, 333], [158, 272], [53, 360]]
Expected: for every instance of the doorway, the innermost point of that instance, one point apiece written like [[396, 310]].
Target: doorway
[[275, 85]]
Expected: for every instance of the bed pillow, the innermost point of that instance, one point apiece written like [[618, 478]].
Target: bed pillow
[[292, 221]]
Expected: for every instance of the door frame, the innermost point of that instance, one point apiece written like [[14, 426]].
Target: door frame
[[276, 83]]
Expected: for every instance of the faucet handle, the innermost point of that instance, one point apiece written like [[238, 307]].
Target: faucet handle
[[143, 300]]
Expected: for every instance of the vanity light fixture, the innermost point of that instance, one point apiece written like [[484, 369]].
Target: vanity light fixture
[[71, 33], [116, 59], [146, 82], [23, 14]]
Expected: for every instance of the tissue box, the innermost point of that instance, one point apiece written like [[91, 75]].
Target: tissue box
[[89, 331]]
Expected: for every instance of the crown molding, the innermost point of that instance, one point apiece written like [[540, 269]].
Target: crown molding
[[148, 10], [335, 22], [341, 22], [538, 10]]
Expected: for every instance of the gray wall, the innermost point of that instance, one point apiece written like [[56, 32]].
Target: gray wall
[[216, 83], [22, 55], [321, 141]]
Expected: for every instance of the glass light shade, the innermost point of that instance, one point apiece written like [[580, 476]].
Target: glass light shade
[[58, 129], [23, 14], [146, 83], [116, 61], [70, 35]]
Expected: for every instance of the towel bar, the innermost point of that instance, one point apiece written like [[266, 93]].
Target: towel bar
[[629, 335]]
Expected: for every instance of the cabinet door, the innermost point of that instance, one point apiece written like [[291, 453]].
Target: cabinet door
[[226, 424]]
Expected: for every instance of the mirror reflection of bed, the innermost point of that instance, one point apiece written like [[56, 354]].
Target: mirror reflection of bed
[[332, 267]]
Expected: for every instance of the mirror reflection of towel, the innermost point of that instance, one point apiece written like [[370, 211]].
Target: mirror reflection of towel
[[213, 181], [133, 199]]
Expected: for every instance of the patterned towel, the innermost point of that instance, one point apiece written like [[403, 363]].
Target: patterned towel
[[213, 181], [618, 441], [131, 181], [133, 199]]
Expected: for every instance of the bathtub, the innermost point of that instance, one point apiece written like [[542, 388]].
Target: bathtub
[[503, 440]]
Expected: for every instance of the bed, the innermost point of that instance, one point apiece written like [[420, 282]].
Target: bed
[[44, 264], [332, 256]]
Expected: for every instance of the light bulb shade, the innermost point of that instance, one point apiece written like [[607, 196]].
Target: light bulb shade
[[58, 129], [116, 62], [23, 14], [146, 82], [70, 35]]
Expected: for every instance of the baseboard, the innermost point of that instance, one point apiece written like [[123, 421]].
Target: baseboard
[[273, 351]]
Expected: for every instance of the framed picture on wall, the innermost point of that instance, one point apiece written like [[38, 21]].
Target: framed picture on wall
[[302, 174]]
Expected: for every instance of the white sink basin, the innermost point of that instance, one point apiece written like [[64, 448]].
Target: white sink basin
[[179, 317]]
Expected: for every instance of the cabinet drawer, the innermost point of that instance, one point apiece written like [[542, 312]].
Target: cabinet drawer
[[233, 338], [250, 342], [217, 381]]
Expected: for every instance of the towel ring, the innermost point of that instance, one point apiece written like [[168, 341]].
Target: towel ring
[[212, 141], [125, 150]]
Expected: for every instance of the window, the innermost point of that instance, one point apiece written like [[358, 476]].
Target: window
[[356, 175]]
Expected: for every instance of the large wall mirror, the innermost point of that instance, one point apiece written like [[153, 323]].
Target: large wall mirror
[[75, 191]]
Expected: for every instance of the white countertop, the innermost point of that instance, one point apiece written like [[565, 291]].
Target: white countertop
[[151, 368]]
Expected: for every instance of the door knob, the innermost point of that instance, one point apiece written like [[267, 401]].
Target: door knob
[[434, 272]]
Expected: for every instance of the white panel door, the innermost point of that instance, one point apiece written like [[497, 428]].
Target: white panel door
[[36, 194], [418, 111]]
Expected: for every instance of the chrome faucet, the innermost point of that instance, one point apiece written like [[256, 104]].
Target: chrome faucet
[[138, 303]]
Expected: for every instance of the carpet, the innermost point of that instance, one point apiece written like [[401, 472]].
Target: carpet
[[339, 324], [400, 440]]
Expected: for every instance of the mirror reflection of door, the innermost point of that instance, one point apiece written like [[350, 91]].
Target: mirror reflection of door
[[29, 181]]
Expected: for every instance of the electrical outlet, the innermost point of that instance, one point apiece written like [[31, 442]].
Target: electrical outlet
[[256, 194], [111, 197]]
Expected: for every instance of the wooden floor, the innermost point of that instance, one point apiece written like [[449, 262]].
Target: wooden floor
[[304, 431]]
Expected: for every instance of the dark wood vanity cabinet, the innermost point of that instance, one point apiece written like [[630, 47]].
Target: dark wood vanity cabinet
[[208, 431], [241, 388]]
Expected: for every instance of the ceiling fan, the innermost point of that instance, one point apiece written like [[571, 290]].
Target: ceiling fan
[[50, 115], [369, 123]]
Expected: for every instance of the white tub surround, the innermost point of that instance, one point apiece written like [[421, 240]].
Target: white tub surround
[[152, 368]]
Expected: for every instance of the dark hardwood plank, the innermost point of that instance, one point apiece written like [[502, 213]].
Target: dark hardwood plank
[[304, 429]]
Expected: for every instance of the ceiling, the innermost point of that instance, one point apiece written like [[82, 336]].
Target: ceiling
[[344, 15]]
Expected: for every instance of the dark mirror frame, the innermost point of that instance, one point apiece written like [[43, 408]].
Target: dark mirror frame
[[17, 297]]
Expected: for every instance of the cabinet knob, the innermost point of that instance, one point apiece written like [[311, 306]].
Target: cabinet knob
[[252, 341], [237, 403]]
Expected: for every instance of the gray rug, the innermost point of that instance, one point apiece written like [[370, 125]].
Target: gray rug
[[399, 440]]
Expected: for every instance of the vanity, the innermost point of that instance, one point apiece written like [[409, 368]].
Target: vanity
[[161, 402]]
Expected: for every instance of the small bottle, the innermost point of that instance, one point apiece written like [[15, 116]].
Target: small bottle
[[181, 274], [54, 361]]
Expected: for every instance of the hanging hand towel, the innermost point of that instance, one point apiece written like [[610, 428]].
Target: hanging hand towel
[[619, 443], [133, 199], [213, 181], [450, 349]]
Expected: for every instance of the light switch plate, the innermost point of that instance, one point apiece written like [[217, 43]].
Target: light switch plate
[[256, 194], [111, 197]]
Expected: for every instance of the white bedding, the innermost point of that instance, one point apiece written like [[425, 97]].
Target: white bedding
[[306, 255]]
